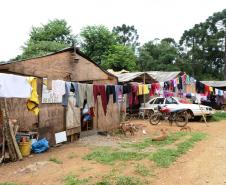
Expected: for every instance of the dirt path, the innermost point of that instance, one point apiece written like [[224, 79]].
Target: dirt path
[[205, 164]]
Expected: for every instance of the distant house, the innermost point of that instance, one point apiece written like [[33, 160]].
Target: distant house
[[70, 65]]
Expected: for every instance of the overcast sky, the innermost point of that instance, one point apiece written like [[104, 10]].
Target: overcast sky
[[152, 18]]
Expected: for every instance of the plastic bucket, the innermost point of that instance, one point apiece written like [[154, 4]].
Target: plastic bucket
[[25, 148]]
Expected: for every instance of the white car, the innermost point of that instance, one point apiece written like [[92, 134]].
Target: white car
[[174, 103]]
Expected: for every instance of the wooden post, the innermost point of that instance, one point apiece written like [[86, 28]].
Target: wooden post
[[143, 94]]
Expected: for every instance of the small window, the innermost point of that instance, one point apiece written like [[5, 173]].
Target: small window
[[159, 101], [152, 101], [170, 100]]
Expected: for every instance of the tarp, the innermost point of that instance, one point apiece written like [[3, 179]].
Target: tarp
[[215, 83], [158, 76]]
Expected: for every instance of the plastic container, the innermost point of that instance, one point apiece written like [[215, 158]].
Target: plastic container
[[25, 148]]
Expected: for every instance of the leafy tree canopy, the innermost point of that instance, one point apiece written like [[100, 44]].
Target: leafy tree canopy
[[47, 38], [204, 46], [119, 57], [158, 56], [97, 41], [127, 35]]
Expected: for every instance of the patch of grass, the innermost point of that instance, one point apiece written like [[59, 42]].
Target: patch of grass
[[103, 182], [165, 157], [173, 137], [124, 180], [72, 156], [142, 170], [55, 160], [218, 116], [72, 180], [107, 156]]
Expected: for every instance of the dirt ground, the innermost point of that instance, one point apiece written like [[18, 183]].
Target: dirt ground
[[203, 164]]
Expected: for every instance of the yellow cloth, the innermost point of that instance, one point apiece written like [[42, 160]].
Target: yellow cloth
[[211, 89], [143, 89], [33, 101]]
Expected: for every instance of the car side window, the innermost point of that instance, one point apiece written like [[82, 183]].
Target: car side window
[[152, 101], [170, 100], [159, 101]]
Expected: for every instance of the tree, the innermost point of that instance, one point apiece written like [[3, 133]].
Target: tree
[[158, 56], [97, 41], [119, 57], [204, 45], [127, 35], [47, 38]]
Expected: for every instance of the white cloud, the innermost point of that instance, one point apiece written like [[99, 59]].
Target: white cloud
[[152, 18]]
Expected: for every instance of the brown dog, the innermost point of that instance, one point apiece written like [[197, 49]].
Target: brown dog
[[185, 129], [128, 127], [162, 137]]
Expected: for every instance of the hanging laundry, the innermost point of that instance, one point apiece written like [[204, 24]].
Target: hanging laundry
[[100, 90], [133, 98], [55, 95], [188, 79], [126, 89], [110, 89], [207, 89], [143, 89], [33, 101], [155, 87], [85, 91], [119, 93], [13, 86], [73, 114], [200, 87], [70, 87], [180, 85]]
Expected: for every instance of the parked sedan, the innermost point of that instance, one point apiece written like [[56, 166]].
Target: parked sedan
[[174, 103]]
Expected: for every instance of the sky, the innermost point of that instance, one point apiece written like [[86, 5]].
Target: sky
[[152, 18]]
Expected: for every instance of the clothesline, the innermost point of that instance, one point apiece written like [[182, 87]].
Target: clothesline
[[181, 86]]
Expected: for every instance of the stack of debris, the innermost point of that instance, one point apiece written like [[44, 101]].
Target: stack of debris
[[9, 135]]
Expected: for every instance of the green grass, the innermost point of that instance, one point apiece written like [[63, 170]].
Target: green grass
[[120, 180], [124, 180], [173, 137], [165, 157], [142, 170], [108, 156], [218, 116], [72, 180], [55, 160]]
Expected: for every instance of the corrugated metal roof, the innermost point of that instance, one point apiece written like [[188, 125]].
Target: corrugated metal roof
[[215, 83], [162, 76], [158, 76], [126, 77]]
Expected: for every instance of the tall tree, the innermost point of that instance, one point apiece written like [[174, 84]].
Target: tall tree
[[119, 57], [204, 45], [96, 41], [127, 35], [50, 37], [158, 56]]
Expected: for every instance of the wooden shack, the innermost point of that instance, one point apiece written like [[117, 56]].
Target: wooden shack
[[69, 64]]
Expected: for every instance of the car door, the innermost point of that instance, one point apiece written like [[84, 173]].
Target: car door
[[171, 103], [158, 101]]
